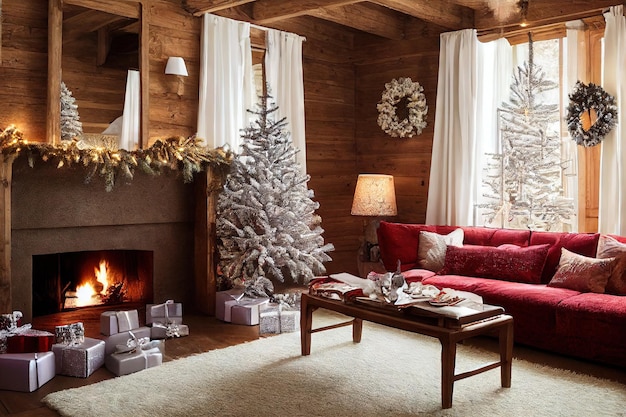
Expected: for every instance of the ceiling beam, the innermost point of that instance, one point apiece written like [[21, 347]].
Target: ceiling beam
[[199, 7], [367, 18], [268, 11], [444, 13]]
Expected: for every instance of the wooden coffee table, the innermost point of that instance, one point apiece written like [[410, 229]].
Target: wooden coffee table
[[444, 324]]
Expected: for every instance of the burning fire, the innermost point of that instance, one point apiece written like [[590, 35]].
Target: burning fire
[[86, 294]]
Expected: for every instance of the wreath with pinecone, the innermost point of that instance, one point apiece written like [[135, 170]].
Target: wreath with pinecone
[[591, 114]]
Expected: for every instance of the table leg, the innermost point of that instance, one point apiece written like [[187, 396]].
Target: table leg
[[506, 353], [357, 330], [306, 324], [448, 361]]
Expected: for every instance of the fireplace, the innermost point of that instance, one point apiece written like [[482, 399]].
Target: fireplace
[[52, 211], [73, 280]]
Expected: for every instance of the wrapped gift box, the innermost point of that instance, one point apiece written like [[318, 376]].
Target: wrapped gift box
[[224, 301], [112, 322], [129, 362], [26, 372], [274, 319], [111, 342], [29, 341], [162, 331], [79, 360], [168, 312], [246, 311]]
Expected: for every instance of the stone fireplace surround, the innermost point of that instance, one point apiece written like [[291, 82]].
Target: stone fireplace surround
[[53, 211]]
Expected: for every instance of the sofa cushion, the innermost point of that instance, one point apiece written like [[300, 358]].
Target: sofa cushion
[[581, 243], [582, 273], [506, 262], [431, 252], [485, 236], [587, 322], [533, 307], [610, 247]]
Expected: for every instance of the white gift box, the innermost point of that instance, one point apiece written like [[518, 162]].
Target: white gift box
[[163, 313], [26, 372], [246, 311], [112, 322], [113, 340], [160, 331], [129, 362]]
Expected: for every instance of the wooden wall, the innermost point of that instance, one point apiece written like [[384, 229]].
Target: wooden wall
[[407, 159]]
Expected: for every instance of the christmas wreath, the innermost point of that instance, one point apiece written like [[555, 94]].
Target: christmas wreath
[[402, 109], [591, 114]]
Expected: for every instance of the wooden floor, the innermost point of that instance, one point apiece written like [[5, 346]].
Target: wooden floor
[[208, 333]]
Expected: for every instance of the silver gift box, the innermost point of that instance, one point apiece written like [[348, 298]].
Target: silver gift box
[[79, 360]]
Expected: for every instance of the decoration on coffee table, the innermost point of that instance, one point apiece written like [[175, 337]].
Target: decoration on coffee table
[[402, 110], [591, 114], [175, 153], [524, 181], [266, 224]]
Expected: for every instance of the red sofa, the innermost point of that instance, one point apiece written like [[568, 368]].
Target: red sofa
[[585, 325]]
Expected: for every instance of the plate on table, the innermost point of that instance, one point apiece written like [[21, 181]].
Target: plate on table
[[450, 302]]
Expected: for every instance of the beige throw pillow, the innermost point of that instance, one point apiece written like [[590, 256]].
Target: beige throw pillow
[[431, 252], [581, 273], [609, 247]]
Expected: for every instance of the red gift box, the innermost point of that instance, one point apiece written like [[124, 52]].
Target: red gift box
[[30, 341]]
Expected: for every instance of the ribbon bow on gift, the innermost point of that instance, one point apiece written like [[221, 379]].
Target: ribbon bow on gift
[[133, 344], [9, 322], [70, 334], [171, 328]]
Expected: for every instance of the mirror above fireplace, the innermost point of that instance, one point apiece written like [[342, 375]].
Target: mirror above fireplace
[[91, 47]]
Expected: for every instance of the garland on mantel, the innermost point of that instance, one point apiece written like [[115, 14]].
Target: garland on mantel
[[176, 153]]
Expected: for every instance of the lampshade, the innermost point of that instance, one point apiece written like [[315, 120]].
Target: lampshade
[[176, 65], [375, 195]]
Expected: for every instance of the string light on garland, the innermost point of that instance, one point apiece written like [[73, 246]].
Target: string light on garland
[[591, 114], [175, 153]]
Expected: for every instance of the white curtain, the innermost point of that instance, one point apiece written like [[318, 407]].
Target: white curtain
[[226, 81], [129, 136], [452, 171], [612, 208], [495, 75], [576, 67], [283, 70]]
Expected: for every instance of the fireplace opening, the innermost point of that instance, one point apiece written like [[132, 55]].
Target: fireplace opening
[[73, 280]]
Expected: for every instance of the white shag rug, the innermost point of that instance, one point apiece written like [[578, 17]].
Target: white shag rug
[[390, 373]]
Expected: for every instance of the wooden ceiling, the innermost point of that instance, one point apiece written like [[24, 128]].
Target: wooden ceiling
[[390, 18]]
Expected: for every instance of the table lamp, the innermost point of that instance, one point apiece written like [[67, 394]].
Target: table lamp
[[374, 197]]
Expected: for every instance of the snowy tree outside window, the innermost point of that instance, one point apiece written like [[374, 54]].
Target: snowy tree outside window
[[267, 228], [525, 178]]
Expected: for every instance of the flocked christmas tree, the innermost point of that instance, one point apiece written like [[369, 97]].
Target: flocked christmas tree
[[267, 227], [525, 178], [71, 127]]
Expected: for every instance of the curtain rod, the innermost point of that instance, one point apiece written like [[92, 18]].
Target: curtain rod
[[265, 29]]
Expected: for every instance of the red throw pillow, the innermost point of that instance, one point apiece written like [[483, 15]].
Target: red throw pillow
[[582, 273], [506, 262]]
